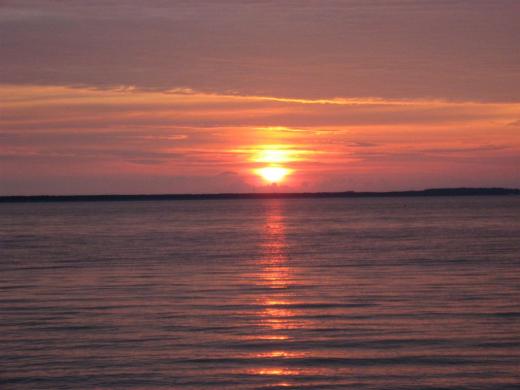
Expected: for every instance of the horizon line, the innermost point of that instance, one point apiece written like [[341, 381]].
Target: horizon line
[[449, 191]]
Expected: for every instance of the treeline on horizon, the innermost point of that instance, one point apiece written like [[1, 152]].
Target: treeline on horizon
[[263, 195]]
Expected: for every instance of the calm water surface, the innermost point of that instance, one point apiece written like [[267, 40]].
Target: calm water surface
[[261, 294]]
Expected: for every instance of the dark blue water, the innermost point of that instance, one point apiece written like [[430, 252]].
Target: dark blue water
[[400, 293]]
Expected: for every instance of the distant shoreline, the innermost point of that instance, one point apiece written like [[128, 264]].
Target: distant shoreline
[[272, 195]]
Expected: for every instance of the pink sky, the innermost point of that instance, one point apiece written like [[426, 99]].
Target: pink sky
[[168, 97]]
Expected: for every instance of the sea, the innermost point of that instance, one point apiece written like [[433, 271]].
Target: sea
[[368, 293]]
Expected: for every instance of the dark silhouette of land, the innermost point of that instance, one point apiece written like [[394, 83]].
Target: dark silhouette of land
[[271, 195]]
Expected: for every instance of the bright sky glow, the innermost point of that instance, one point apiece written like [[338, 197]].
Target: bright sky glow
[[274, 156]]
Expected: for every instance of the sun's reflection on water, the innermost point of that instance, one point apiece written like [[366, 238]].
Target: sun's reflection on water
[[276, 316], [277, 371]]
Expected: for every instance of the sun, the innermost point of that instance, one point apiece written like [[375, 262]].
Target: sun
[[273, 175], [273, 157]]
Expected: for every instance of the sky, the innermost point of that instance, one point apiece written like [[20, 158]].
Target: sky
[[107, 97]]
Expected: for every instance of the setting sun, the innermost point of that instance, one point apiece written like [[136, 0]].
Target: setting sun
[[273, 174]]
